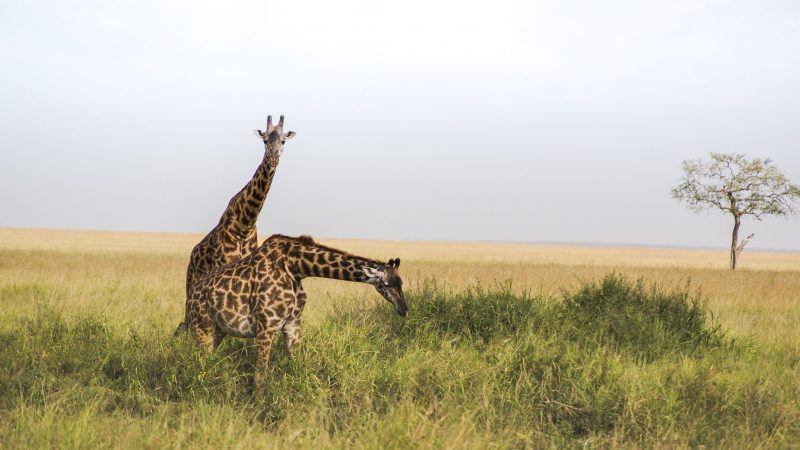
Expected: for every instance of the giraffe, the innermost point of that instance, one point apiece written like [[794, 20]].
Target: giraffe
[[234, 237], [262, 293]]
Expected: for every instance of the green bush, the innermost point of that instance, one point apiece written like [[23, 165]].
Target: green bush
[[644, 321]]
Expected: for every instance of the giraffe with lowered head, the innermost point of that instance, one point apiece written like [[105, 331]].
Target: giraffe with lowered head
[[262, 293], [235, 237]]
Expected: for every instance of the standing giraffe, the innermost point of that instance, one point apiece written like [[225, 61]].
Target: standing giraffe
[[234, 237], [261, 293]]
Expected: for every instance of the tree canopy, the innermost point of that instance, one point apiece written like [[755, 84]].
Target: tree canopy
[[731, 182]]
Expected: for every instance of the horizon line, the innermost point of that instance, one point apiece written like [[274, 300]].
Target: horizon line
[[454, 241]]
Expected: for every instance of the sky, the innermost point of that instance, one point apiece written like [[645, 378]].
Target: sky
[[529, 121]]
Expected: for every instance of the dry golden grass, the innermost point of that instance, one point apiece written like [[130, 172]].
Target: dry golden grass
[[181, 244], [118, 384], [97, 241], [140, 276]]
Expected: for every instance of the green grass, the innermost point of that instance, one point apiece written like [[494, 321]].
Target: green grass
[[613, 363]]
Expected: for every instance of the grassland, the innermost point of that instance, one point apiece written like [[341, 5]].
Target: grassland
[[507, 345]]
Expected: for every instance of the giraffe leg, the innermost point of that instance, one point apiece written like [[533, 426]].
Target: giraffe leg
[[204, 336], [218, 337], [264, 342], [200, 325], [291, 329], [181, 329]]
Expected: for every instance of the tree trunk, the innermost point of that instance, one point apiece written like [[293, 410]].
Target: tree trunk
[[735, 241]]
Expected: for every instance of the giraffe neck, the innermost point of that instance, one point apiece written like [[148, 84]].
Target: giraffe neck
[[318, 261], [240, 217]]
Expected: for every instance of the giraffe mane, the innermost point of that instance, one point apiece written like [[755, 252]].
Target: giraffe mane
[[308, 240]]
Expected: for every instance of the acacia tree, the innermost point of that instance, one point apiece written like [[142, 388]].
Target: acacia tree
[[739, 186]]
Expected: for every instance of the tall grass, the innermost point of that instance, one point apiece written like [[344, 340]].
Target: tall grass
[[613, 362]]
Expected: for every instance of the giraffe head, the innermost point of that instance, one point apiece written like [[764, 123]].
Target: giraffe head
[[274, 137], [388, 282]]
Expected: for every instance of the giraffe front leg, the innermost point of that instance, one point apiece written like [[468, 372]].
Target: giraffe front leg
[[270, 317], [264, 342], [291, 331]]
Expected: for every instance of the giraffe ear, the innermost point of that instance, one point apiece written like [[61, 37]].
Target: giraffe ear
[[259, 134], [289, 135]]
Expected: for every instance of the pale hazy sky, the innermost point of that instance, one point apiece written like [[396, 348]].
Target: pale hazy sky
[[509, 121]]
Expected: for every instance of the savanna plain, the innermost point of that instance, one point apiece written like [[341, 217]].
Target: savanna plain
[[505, 346]]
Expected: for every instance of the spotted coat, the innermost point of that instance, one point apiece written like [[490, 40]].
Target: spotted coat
[[262, 293]]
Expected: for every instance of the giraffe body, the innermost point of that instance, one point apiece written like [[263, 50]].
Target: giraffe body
[[235, 237], [262, 293]]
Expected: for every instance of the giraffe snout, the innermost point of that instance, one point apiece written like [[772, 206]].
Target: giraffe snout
[[401, 308]]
